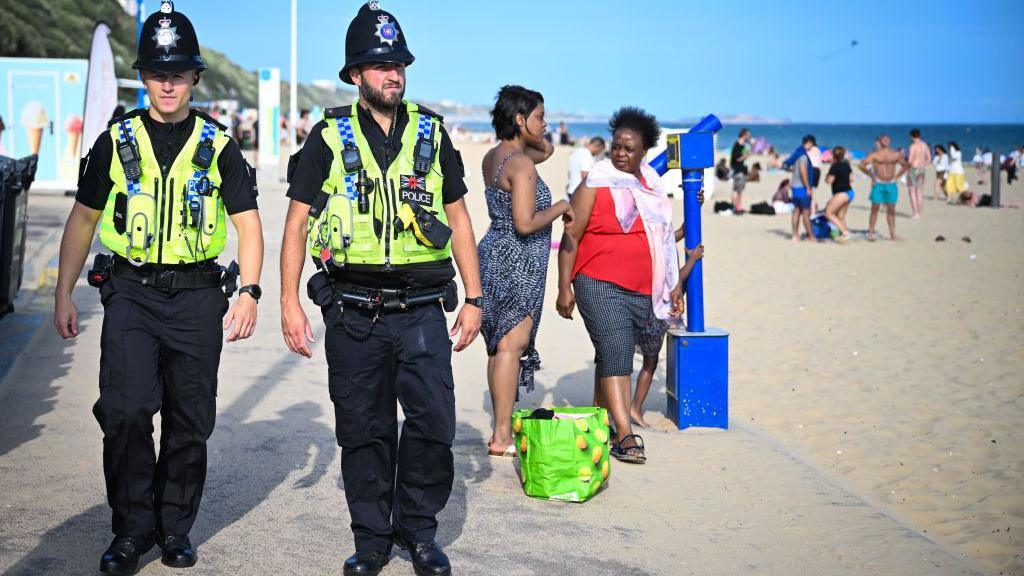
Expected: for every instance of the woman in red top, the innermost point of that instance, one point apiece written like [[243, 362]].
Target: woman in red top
[[609, 266]]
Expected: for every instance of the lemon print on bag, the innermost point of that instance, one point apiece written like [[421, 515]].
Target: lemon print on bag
[[581, 425], [601, 435], [585, 474], [605, 469], [606, 418], [598, 452], [581, 443], [522, 444], [595, 485], [517, 426]]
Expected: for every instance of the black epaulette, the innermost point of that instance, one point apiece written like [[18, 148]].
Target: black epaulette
[[126, 116], [338, 112], [428, 112], [209, 118]]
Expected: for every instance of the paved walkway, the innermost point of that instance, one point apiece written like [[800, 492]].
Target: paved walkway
[[709, 502]]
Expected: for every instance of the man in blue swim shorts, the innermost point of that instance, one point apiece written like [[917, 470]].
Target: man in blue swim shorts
[[881, 165], [802, 190]]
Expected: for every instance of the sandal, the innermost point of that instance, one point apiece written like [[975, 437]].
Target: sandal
[[508, 452], [634, 454]]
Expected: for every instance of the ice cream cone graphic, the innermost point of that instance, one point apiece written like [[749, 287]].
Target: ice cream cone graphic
[[73, 128], [34, 119]]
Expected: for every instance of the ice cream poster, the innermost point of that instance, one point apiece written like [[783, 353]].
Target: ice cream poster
[[42, 101]]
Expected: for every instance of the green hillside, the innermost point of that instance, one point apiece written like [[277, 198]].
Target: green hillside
[[63, 29]]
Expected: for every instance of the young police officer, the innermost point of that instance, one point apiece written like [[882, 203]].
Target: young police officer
[[159, 183], [378, 191]]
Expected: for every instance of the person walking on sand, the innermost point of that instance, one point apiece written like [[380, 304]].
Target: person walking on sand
[[803, 189], [740, 152], [580, 161], [919, 158], [884, 191], [956, 180], [839, 177], [514, 253], [940, 161]]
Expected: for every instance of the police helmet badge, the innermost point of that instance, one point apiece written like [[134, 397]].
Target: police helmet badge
[[166, 36], [386, 30], [373, 5]]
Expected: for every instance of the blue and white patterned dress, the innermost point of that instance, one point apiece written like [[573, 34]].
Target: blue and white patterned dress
[[513, 269]]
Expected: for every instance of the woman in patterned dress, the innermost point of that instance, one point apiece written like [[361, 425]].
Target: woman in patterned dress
[[514, 252]]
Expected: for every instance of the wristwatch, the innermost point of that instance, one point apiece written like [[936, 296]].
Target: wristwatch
[[478, 301], [252, 290]]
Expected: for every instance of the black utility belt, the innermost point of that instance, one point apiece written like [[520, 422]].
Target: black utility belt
[[396, 300], [185, 277]]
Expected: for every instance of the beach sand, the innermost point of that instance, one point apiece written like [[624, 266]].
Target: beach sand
[[895, 367]]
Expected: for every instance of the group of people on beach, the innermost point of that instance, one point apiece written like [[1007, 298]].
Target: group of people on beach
[[885, 166], [619, 212]]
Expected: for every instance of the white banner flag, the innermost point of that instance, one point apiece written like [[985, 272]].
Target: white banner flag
[[101, 89]]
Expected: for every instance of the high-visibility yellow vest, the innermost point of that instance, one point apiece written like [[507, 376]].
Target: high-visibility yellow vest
[[354, 225], [176, 217]]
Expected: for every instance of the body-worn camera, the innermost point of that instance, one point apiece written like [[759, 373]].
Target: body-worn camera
[[350, 158], [203, 157]]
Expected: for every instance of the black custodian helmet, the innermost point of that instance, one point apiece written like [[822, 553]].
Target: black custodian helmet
[[374, 36], [168, 42]]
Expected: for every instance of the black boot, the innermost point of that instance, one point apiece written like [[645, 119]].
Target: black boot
[[122, 556], [368, 563], [178, 552], [427, 557]]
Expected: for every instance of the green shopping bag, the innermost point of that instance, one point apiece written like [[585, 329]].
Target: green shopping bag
[[563, 459]]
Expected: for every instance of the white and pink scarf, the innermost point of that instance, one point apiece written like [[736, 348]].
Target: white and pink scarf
[[651, 204]]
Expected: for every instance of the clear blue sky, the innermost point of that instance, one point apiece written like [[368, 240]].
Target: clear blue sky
[[917, 61]]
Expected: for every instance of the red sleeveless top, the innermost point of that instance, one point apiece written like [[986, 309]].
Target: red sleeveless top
[[607, 253]]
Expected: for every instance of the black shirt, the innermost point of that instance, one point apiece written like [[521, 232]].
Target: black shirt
[[238, 185], [735, 163], [841, 171], [313, 168]]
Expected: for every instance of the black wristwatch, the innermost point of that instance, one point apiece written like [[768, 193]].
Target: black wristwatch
[[478, 301], [252, 290]]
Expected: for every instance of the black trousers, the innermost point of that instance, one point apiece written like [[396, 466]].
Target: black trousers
[[160, 353], [392, 485]]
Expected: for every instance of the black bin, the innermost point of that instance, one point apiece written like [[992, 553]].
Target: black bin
[[16, 177]]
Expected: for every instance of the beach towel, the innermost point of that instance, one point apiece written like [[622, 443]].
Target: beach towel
[[649, 201]]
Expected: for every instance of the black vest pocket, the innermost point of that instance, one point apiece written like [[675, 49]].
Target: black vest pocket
[[120, 212]]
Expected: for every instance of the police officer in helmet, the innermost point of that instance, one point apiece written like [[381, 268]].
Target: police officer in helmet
[[377, 196], [161, 184]]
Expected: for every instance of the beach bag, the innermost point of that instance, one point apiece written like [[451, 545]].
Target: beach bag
[[564, 458], [762, 208], [821, 227]]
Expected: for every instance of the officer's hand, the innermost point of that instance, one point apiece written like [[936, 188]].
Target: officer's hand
[[243, 315], [566, 303], [469, 323], [295, 326], [65, 317]]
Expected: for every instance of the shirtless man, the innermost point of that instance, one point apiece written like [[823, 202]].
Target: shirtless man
[[883, 162], [920, 157]]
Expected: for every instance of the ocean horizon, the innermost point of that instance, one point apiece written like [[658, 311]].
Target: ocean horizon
[[1001, 137]]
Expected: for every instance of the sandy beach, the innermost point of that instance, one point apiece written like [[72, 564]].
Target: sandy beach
[[894, 366]]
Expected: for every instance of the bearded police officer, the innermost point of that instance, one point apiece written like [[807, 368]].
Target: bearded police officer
[[161, 184], [376, 193]]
